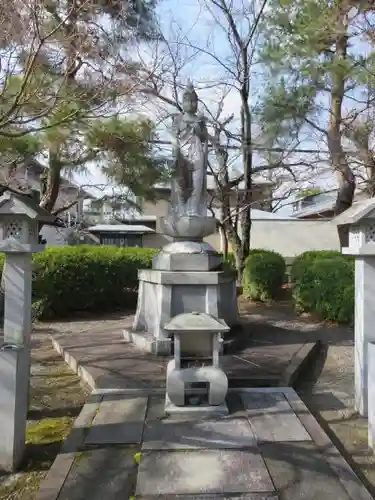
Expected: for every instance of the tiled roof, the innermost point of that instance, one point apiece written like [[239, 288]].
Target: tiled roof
[[119, 228]]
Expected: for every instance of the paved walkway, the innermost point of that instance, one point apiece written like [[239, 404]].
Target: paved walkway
[[268, 355], [268, 448]]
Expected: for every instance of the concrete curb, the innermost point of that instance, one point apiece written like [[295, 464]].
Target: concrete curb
[[298, 362], [347, 477], [80, 370]]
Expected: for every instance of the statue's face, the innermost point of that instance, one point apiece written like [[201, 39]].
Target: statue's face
[[190, 104]]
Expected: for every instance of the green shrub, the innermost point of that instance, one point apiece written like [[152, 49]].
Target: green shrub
[[263, 275], [72, 279], [326, 287], [307, 258]]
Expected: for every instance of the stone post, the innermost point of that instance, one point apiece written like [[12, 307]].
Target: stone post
[[15, 359], [19, 223], [360, 219], [363, 327], [371, 393]]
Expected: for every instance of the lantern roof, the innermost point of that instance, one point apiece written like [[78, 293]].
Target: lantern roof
[[21, 204], [196, 321], [359, 211]]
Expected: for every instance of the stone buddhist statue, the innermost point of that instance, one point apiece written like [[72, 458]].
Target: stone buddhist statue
[[186, 274], [190, 155]]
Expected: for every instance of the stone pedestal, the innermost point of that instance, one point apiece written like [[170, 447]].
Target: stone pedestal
[[15, 358], [185, 277], [165, 294]]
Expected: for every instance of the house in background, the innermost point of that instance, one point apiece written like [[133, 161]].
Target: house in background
[[320, 205], [262, 193], [123, 235], [141, 229]]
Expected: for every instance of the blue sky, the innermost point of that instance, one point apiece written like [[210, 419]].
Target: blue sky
[[183, 23]]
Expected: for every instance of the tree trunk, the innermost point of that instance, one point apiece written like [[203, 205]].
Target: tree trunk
[[224, 241], [370, 174], [51, 189], [53, 175], [231, 231], [247, 159], [346, 178]]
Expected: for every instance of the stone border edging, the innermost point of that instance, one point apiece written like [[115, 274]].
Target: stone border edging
[[347, 477], [53, 483], [298, 362], [80, 370]]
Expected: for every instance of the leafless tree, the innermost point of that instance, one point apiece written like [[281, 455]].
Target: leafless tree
[[232, 133]]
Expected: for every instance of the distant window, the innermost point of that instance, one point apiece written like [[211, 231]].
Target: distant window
[[129, 240]]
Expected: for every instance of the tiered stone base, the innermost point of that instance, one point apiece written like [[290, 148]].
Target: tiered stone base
[[164, 294]]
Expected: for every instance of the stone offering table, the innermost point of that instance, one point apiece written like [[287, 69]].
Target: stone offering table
[[197, 345]]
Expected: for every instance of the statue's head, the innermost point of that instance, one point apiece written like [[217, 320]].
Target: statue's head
[[190, 100]]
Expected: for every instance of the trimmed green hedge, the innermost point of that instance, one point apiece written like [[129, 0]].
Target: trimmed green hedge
[[86, 278], [325, 286], [264, 275], [307, 258]]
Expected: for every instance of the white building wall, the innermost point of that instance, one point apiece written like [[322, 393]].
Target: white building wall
[[294, 236], [55, 235]]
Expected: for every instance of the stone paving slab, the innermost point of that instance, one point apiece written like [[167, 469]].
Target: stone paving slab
[[224, 433], [107, 473], [311, 469], [119, 421], [299, 472], [272, 418], [202, 472]]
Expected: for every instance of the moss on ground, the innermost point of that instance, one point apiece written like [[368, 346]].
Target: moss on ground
[[56, 398], [48, 430]]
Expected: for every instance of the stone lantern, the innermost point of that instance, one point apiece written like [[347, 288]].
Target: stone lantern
[[20, 218], [360, 222], [195, 370]]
